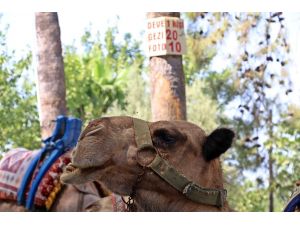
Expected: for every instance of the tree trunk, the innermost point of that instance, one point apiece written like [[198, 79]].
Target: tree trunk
[[270, 165], [167, 83], [271, 181], [51, 77]]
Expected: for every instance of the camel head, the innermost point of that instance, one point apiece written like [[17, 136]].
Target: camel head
[[107, 152]]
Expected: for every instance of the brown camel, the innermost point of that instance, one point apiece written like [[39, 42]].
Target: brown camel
[[90, 196], [116, 152]]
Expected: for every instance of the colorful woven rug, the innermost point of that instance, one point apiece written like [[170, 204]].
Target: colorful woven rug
[[13, 167]]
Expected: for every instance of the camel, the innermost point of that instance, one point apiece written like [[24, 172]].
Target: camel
[[161, 166], [87, 197]]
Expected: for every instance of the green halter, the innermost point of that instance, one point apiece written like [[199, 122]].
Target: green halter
[[209, 196]]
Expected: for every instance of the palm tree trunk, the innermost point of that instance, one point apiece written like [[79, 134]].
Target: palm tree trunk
[[168, 100], [51, 77]]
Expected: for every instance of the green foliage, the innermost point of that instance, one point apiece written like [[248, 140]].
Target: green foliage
[[286, 159], [248, 197], [97, 78], [201, 109], [198, 56], [249, 90], [202, 39], [220, 87], [293, 118], [18, 110], [137, 98]]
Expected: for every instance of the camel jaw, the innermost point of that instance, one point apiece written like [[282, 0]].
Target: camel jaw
[[74, 174]]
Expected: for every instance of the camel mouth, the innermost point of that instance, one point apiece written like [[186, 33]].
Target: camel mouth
[[70, 173], [71, 169], [75, 174]]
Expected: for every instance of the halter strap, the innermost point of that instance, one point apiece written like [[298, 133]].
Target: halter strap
[[161, 167]]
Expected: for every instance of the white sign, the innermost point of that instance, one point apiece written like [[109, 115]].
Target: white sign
[[165, 36]]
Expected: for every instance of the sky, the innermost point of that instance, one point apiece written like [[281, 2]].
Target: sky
[[22, 31]]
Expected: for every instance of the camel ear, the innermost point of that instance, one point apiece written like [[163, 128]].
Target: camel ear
[[218, 142]]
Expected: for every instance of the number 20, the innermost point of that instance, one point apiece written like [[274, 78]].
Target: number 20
[[172, 35]]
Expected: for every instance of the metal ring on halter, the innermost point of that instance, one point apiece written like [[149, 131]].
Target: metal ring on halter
[[143, 155]]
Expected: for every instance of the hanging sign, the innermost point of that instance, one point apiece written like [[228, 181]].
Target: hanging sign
[[165, 36]]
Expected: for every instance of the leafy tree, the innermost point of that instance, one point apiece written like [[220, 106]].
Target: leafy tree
[[97, 77], [286, 155], [201, 109], [18, 111], [204, 31], [248, 197], [137, 98], [246, 88]]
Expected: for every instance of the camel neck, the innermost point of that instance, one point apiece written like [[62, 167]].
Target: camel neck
[[153, 195], [157, 202]]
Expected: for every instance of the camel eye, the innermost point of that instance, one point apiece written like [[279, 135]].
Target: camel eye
[[163, 138]]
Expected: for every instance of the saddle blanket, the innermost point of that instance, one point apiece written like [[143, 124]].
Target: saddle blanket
[[13, 167]]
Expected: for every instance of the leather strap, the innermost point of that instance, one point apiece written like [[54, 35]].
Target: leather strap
[[142, 133], [191, 190], [161, 167]]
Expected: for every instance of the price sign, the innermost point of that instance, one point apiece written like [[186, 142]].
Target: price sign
[[165, 36]]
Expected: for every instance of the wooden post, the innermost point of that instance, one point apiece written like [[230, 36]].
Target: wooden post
[[51, 77], [168, 101]]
